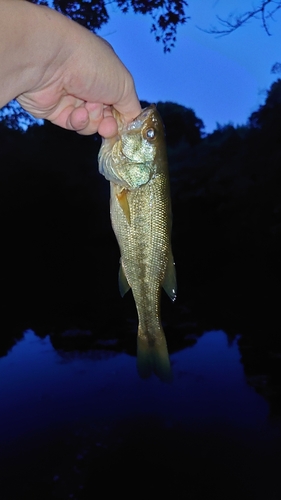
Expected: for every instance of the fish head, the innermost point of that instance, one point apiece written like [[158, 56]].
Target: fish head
[[143, 136], [130, 159]]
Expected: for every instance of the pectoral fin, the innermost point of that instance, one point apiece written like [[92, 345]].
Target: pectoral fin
[[124, 286], [123, 202], [170, 281]]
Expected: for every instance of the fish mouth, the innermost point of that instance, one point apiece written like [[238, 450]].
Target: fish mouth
[[137, 123]]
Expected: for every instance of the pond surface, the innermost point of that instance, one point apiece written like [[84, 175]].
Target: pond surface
[[72, 424]]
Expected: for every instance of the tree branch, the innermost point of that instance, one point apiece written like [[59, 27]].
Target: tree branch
[[265, 12]]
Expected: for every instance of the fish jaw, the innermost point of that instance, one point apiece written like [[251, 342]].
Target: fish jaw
[[137, 152]]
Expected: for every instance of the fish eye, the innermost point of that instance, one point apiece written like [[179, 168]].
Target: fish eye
[[150, 133]]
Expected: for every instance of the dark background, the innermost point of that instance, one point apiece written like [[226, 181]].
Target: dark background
[[60, 258]]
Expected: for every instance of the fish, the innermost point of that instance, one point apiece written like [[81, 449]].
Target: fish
[[135, 162]]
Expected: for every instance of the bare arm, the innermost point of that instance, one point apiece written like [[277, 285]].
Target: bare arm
[[60, 71]]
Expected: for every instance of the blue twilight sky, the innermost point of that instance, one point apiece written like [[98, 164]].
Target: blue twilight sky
[[222, 79]]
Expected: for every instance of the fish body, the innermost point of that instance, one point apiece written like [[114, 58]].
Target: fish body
[[135, 163]]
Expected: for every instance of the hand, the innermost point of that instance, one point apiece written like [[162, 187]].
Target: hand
[[72, 77], [78, 94]]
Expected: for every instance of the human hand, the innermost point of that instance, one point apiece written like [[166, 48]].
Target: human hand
[[79, 94], [73, 77]]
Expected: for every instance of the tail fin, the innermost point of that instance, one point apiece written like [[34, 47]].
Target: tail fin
[[153, 357]]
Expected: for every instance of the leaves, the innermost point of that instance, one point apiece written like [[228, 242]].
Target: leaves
[[167, 16], [90, 14], [276, 68], [15, 117]]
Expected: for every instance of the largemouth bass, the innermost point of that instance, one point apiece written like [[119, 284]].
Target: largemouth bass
[[135, 163]]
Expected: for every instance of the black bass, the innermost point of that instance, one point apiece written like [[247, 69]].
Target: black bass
[[135, 163]]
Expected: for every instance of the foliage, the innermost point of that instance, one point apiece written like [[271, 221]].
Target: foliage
[[181, 123], [166, 15], [276, 68], [268, 117], [14, 116]]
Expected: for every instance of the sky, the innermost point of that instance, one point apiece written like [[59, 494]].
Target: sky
[[223, 79]]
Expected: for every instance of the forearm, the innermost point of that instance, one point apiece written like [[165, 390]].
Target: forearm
[[23, 30]]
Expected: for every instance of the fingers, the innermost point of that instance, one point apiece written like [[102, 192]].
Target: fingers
[[92, 118], [108, 127], [131, 112], [129, 105], [88, 118], [81, 117], [100, 120], [77, 119]]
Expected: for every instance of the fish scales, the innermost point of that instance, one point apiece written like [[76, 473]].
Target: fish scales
[[142, 244], [140, 211]]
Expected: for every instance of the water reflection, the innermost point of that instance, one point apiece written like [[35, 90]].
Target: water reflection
[[56, 408]]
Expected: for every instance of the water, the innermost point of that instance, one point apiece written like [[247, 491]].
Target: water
[[64, 414]]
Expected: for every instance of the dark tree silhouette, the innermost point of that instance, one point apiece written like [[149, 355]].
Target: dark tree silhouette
[[263, 12], [268, 115], [166, 18], [276, 68], [181, 123], [266, 121], [167, 15]]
